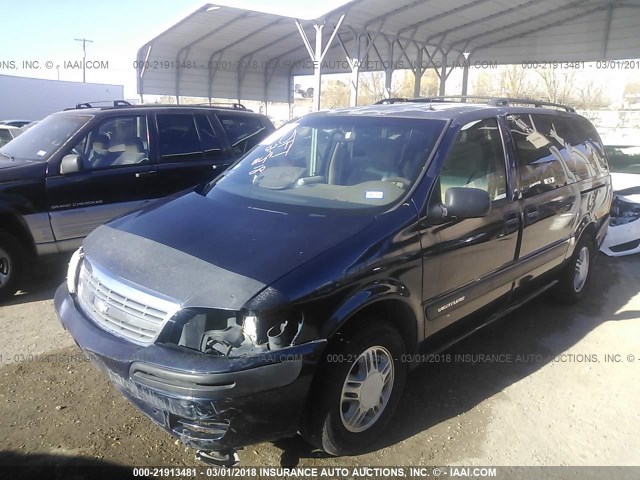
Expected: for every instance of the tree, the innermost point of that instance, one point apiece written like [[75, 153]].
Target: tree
[[508, 81], [335, 94], [371, 87], [590, 96], [559, 85]]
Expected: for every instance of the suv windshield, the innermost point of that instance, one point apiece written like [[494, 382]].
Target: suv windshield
[[624, 159], [335, 162], [44, 138]]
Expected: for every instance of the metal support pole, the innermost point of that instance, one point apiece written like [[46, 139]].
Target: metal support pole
[[318, 55], [443, 75], [355, 78], [417, 74], [465, 79], [317, 68], [388, 75], [354, 64]]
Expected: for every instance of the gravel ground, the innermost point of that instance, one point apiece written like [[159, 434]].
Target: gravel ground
[[556, 402]]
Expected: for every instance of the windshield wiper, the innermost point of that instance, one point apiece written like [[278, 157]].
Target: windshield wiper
[[8, 156]]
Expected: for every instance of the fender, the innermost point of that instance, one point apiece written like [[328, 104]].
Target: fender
[[370, 294], [20, 217]]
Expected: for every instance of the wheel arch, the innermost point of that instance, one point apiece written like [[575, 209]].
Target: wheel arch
[[390, 301], [14, 225]]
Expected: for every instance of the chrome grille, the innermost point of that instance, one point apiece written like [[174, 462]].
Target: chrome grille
[[120, 309]]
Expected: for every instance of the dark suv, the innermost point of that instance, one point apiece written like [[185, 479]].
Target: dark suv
[[358, 236], [82, 167]]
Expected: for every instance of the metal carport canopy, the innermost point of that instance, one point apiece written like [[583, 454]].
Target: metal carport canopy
[[227, 52]]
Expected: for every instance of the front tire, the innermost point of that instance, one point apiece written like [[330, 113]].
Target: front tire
[[360, 384], [575, 277], [12, 265]]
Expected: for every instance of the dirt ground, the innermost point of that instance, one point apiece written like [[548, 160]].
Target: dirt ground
[[551, 399]]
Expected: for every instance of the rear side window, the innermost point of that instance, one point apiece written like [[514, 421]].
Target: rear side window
[[178, 138], [209, 140], [244, 131], [538, 146]]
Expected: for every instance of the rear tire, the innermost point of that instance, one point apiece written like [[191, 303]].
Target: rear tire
[[357, 389], [576, 276], [12, 265]]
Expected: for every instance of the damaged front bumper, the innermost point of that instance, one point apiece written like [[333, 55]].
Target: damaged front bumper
[[623, 236], [208, 402]]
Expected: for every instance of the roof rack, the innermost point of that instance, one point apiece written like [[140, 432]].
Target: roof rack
[[391, 101], [234, 106], [494, 101], [115, 103]]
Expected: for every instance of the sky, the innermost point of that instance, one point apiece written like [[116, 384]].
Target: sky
[[45, 30]]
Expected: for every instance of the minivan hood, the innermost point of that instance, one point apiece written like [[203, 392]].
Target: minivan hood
[[208, 253]]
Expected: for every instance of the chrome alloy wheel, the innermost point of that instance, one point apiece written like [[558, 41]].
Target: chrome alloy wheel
[[581, 269], [367, 389]]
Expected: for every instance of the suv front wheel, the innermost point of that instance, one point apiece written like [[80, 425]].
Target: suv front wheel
[[361, 383], [12, 264]]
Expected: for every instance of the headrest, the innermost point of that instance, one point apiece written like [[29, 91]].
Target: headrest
[[101, 142]]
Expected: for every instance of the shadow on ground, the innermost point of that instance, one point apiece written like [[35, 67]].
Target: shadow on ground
[[42, 280], [18, 466], [540, 330]]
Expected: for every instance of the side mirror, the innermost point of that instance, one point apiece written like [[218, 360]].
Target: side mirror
[[70, 164], [461, 203]]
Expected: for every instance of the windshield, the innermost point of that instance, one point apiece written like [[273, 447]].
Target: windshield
[[624, 159], [44, 138], [335, 162]]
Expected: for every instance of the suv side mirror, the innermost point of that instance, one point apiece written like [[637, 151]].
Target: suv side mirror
[[461, 203], [70, 164]]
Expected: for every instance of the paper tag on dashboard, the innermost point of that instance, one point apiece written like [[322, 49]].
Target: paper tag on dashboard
[[374, 194], [538, 140]]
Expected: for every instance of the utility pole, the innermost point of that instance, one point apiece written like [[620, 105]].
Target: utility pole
[[84, 57]]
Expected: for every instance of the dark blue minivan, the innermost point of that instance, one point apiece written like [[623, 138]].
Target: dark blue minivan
[[290, 294]]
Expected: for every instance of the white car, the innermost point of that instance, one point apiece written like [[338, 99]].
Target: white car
[[8, 133], [623, 237]]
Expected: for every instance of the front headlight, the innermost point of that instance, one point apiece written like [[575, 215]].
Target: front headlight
[[73, 270], [250, 328], [231, 333]]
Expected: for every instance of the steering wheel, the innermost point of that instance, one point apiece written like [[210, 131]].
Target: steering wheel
[[401, 180], [76, 150]]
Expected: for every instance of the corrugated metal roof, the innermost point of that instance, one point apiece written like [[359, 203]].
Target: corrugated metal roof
[[228, 52]]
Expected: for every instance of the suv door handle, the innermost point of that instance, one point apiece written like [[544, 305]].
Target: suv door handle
[[531, 214], [146, 174], [511, 222]]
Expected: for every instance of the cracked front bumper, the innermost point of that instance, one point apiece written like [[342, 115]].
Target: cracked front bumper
[[209, 403]]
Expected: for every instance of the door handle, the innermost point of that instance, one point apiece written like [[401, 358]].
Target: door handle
[[511, 222], [146, 174], [531, 214]]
